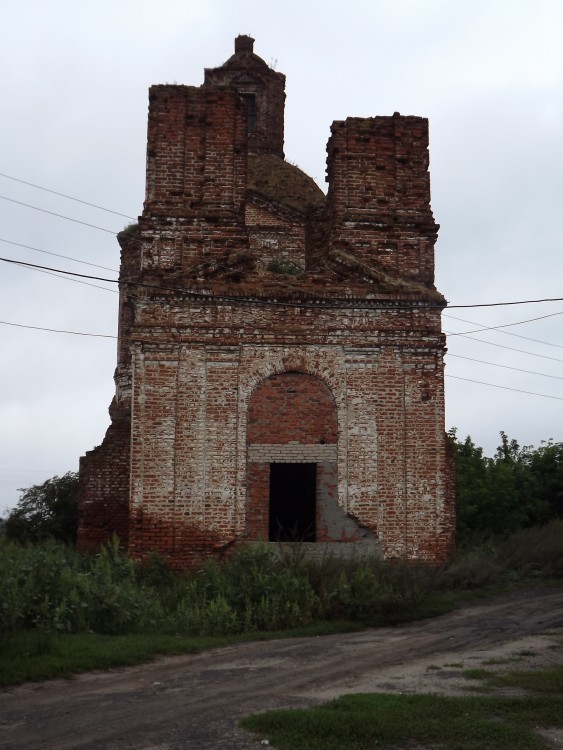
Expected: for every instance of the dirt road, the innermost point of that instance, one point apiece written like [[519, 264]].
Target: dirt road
[[194, 702]]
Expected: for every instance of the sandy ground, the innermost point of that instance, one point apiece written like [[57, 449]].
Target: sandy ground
[[195, 702]]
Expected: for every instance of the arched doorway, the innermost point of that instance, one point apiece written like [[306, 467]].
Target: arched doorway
[[292, 454]]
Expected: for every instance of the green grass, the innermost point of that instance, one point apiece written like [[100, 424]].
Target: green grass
[[549, 680], [35, 655], [477, 674], [507, 660], [62, 612], [362, 722]]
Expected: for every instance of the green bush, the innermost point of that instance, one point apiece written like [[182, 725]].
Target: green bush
[[490, 561], [252, 590], [50, 588]]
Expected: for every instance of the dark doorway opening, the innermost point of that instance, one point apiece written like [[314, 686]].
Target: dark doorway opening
[[293, 493]]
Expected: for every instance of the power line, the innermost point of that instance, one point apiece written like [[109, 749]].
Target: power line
[[506, 367], [108, 336], [35, 266], [64, 277], [274, 303], [57, 255], [503, 304], [60, 216], [69, 197], [512, 349], [506, 333], [505, 387], [504, 325], [58, 330], [102, 229], [76, 281]]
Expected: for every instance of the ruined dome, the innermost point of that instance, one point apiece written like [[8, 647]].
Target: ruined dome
[[280, 181]]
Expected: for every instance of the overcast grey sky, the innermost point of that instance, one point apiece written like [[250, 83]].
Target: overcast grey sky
[[488, 75]]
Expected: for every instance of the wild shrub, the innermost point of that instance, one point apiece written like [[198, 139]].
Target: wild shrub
[[493, 560], [33, 582], [473, 566], [537, 550], [51, 587], [371, 590], [250, 591]]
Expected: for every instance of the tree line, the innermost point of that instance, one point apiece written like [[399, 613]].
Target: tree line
[[517, 488]]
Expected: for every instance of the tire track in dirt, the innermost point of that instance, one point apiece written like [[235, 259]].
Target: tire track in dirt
[[196, 701]]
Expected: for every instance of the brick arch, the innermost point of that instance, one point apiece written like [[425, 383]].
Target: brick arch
[[292, 434], [329, 372], [301, 362], [292, 407]]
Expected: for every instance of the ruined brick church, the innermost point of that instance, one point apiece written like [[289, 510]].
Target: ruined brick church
[[280, 354]]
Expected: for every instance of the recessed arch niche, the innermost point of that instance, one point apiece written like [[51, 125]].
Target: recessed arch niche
[[292, 435]]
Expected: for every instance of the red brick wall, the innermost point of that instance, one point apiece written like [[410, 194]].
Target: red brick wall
[[249, 74], [288, 409], [379, 193], [104, 490], [292, 406], [219, 354], [196, 152], [258, 501]]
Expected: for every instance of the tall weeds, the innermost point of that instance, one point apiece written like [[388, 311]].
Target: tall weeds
[[50, 588]]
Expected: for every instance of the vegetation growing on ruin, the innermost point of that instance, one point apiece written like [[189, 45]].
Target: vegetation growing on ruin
[[107, 609], [63, 611], [517, 488]]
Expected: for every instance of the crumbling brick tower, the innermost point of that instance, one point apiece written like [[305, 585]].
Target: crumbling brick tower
[[280, 355]]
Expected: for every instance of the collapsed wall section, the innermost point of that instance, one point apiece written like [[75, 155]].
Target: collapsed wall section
[[103, 500]]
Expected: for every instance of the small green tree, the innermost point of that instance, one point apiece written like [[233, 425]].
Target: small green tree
[[517, 488], [473, 499], [545, 465], [46, 510]]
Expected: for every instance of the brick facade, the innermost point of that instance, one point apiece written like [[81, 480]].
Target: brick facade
[[280, 357]]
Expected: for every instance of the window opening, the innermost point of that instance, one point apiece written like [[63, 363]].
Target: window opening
[[293, 491], [250, 100]]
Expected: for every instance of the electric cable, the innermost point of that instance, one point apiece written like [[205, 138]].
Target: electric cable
[[60, 216], [505, 387], [512, 348], [59, 330], [506, 333], [274, 303], [69, 197], [504, 325], [58, 255], [506, 367], [76, 281]]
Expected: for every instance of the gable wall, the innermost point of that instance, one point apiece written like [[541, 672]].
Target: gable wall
[[196, 476]]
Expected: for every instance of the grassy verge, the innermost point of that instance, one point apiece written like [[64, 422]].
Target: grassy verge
[[63, 612], [381, 720], [359, 722], [549, 680], [35, 655]]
